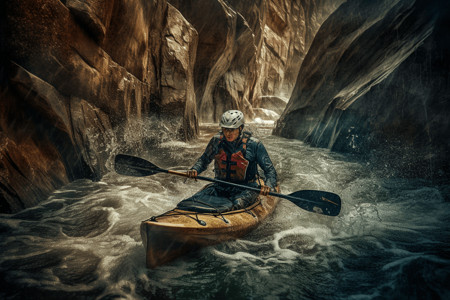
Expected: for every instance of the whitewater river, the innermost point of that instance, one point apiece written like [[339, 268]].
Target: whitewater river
[[391, 240]]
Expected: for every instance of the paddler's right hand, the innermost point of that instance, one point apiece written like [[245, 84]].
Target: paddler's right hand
[[192, 173], [265, 190]]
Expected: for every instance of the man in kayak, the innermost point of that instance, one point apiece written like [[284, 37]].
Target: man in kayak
[[236, 155]]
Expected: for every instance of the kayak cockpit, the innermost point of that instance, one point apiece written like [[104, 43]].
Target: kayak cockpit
[[176, 232]]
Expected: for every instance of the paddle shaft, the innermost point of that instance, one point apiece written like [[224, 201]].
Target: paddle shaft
[[314, 201], [235, 185], [288, 197]]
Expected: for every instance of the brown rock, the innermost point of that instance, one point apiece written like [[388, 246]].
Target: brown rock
[[249, 48], [92, 134], [93, 15], [75, 72], [29, 171], [215, 23], [76, 69], [177, 74]]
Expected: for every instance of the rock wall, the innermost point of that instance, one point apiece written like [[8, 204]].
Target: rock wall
[[75, 71], [82, 79], [249, 49], [288, 32], [177, 101], [376, 81]]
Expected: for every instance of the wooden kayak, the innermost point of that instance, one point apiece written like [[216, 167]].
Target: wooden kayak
[[177, 232], [181, 230]]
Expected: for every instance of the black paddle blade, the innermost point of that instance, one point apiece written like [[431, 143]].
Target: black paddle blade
[[134, 166], [320, 202]]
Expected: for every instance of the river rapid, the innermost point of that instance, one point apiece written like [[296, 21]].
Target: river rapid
[[391, 240]]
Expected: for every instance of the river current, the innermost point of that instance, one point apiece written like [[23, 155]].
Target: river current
[[391, 240]]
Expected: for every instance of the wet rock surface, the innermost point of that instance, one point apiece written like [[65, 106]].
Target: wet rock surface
[[83, 80], [375, 82]]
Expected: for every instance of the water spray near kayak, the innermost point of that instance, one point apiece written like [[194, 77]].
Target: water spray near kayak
[[181, 230], [85, 242]]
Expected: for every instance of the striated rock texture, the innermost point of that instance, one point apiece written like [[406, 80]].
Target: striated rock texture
[[224, 42], [81, 79], [249, 49], [177, 101], [288, 30], [376, 78], [78, 78]]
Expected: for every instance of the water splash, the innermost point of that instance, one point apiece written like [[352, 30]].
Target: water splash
[[84, 241]]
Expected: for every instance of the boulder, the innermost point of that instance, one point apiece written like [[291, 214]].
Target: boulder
[[29, 171], [273, 103]]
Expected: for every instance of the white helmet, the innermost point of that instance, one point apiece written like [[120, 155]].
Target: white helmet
[[232, 119]]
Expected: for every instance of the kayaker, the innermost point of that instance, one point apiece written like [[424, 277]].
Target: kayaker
[[236, 155]]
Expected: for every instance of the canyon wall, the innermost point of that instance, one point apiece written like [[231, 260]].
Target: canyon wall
[[79, 78], [84, 79], [375, 81], [250, 49]]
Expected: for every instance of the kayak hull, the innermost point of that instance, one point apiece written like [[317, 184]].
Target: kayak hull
[[178, 232]]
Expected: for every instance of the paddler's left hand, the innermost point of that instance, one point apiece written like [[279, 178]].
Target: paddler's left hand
[[265, 190]]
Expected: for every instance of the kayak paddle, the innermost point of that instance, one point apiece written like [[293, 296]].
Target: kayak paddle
[[320, 202]]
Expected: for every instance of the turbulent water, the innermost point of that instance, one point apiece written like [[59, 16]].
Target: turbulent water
[[391, 240]]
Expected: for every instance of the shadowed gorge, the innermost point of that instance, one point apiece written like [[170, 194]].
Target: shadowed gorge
[[375, 81], [83, 79], [350, 97]]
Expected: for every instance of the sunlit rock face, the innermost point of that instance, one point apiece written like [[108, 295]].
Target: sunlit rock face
[[288, 29], [249, 49], [225, 60], [72, 72], [177, 101], [376, 78]]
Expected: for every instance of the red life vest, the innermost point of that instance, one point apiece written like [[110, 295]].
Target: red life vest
[[232, 166]]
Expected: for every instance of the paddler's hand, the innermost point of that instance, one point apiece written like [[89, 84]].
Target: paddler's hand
[[265, 190], [192, 174]]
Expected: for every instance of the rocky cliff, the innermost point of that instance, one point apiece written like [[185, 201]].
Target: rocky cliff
[[375, 81], [83, 79], [79, 77], [249, 49]]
